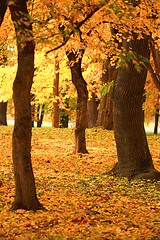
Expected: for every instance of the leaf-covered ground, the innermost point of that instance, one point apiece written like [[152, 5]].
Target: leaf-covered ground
[[81, 200]]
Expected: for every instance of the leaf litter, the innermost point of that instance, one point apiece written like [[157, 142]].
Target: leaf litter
[[81, 200]]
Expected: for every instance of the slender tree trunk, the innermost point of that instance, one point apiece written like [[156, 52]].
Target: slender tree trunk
[[156, 115], [3, 8], [105, 114], [92, 111], [56, 110], [134, 158], [75, 59], [25, 196], [41, 116], [3, 113]]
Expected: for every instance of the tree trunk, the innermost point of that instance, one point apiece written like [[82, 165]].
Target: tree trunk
[[156, 115], [134, 158], [25, 196], [56, 110], [105, 114], [92, 111], [41, 116], [64, 119], [3, 113], [75, 59], [3, 8]]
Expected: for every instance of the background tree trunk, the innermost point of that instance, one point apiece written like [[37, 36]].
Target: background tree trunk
[[41, 116], [75, 59], [3, 113], [92, 111], [157, 115], [105, 113], [134, 158], [56, 110], [25, 196]]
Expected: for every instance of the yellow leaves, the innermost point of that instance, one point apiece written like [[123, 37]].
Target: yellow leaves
[[82, 201], [11, 2], [7, 76]]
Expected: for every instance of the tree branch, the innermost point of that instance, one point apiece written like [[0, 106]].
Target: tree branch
[[78, 25], [156, 80]]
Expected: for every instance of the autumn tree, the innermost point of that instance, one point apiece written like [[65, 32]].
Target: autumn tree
[[75, 59], [68, 23], [25, 196], [134, 158], [134, 25]]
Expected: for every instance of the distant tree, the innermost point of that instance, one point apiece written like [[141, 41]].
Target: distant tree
[[56, 110], [92, 110], [157, 113], [105, 113], [25, 196], [3, 113]]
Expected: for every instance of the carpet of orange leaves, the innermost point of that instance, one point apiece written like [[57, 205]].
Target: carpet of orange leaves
[[81, 200]]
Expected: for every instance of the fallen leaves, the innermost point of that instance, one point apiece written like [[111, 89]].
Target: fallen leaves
[[82, 201]]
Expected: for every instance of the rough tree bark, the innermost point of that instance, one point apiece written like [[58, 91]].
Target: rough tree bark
[[25, 196], [75, 60], [134, 158], [3, 113], [3, 8]]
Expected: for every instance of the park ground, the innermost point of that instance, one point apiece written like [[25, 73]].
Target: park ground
[[82, 201]]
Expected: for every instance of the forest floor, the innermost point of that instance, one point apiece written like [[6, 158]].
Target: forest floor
[[82, 202]]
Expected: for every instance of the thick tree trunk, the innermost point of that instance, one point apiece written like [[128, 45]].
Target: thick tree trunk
[[3, 8], [92, 111], [3, 113], [105, 114], [56, 110], [134, 158], [75, 59], [25, 196]]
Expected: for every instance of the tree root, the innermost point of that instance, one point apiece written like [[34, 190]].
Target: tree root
[[34, 207], [150, 173], [153, 175]]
